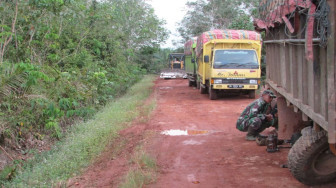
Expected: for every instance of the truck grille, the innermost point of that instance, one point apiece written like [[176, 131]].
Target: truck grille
[[236, 81]]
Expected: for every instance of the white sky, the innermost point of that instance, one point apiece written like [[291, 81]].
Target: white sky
[[173, 12]]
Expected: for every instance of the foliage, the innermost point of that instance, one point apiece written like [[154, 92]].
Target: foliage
[[157, 60], [216, 14], [61, 60], [243, 21], [84, 141]]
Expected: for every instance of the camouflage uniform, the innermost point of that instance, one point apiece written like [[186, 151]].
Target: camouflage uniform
[[254, 116]]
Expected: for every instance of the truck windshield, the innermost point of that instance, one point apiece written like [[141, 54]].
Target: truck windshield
[[243, 59]]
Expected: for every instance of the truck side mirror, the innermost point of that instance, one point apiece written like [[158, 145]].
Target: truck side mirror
[[193, 60], [206, 59]]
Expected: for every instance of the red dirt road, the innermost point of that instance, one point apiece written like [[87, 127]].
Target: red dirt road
[[214, 154]]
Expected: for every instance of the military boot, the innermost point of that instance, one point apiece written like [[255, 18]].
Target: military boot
[[252, 134]]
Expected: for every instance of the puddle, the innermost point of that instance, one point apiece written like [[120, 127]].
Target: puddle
[[177, 132], [193, 142], [166, 88]]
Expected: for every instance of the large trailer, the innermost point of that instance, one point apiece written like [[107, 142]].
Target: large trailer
[[300, 69]]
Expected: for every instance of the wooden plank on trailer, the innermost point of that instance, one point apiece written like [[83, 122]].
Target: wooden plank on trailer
[[283, 63], [317, 77], [299, 73], [294, 71], [310, 83], [275, 61], [288, 62], [323, 83], [331, 52], [267, 61], [305, 78]]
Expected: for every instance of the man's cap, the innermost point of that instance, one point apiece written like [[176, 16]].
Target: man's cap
[[270, 93]]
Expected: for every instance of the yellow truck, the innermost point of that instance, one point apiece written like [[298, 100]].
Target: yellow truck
[[176, 67], [228, 61]]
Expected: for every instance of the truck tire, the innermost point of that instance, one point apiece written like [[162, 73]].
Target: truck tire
[[203, 90], [190, 83], [252, 94], [212, 94], [310, 159]]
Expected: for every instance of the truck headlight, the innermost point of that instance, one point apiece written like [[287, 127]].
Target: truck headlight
[[253, 81], [218, 81]]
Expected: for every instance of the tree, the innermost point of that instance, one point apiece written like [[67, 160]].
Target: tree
[[74, 55], [7, 32], [216, 14]]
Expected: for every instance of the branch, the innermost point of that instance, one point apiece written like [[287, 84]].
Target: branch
[[11, 35], [13, 24]]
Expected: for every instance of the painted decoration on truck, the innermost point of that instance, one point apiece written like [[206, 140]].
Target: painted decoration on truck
[[188, 46], [225, 34], [276, 11], [273, 12]]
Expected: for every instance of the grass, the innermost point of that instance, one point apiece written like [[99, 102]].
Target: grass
[[84, 142], [147, 110], [144, 171]]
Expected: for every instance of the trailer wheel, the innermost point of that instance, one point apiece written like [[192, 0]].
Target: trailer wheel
[[212, 94], [310, 159], [252, 94]]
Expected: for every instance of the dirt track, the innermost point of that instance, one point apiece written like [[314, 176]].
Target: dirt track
[[214, 154]]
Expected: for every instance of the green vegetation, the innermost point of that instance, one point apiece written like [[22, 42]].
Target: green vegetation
[[217, 14], [85, 141], [144, 171], [62, 60]]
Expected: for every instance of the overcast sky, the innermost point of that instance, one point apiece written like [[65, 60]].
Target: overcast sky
[[172, 11]]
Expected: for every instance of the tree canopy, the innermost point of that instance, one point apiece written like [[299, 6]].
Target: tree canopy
[[204, 15]]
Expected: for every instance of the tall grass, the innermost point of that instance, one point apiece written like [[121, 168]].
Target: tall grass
[[144, 171], [84, 141]]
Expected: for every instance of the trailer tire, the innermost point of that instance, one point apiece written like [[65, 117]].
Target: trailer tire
[[212, 94], [310, 159]]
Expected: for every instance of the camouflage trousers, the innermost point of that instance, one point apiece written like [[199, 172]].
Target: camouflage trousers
[[257, 124]]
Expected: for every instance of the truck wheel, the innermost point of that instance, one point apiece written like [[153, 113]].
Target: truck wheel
[[203, 90], [252, 94], [212, 94], [190, 83], [310, 159]]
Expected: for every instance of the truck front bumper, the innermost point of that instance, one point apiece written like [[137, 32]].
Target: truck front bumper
[[234, 86]]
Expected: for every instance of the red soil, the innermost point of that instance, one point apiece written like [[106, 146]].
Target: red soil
[[218, 158]]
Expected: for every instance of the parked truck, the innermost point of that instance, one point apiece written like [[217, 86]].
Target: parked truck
[[300, 69], [175, 67], [228, 61], [190, 62]]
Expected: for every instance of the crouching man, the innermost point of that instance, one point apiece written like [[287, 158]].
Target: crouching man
[[257, 117]]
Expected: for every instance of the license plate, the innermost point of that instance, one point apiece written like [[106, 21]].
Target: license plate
[[235, 86]]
